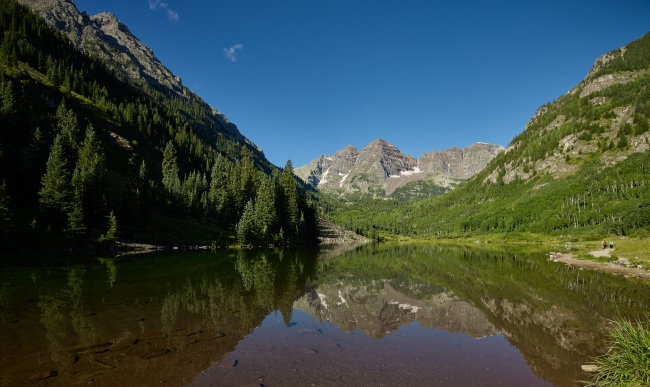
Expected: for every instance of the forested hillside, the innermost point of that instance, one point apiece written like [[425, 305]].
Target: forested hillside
[[580, 167], [88, 154]]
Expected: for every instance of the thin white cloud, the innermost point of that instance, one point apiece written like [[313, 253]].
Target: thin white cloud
[[231, 53], [172, 14], [155, 4]]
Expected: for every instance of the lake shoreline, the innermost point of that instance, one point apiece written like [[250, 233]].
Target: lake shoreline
[[615, 267]]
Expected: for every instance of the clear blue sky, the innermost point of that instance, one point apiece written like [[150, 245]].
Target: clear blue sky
[[308, 77]]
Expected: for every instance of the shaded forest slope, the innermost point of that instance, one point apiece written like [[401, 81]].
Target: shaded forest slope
[[89, 154]]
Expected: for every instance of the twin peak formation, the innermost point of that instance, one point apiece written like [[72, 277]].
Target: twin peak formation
[[380, 168]]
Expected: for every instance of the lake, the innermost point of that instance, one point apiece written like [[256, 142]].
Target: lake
[[416, 314]]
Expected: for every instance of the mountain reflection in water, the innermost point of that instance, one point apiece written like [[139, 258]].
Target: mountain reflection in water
[[377, 313]]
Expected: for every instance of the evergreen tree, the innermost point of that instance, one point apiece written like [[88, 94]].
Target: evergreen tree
[[68, 126], [219, 196], [246, 230], [8, 55], [56, 193], [76, 224], [291, 210], [266, 218], [112, 229], [248, 180], [89, 179], [14, 130], [170, 180]]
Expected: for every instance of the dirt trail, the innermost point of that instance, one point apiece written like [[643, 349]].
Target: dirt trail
[[617, 267]]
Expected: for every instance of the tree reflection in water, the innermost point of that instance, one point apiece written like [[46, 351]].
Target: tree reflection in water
[[169, 316]]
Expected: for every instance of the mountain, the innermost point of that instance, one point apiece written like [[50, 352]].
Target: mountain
[[105, 36], [96, 146], [379, 169], [578, 170]]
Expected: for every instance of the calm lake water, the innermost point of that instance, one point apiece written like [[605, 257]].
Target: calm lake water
[[375, 315]]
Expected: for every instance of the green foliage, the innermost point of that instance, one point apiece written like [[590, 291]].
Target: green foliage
[[170, 178], [8, 51], [266, 216], [246, 228], [418, 190], [288, 201], [56, 192], [112, 230], [594, 200], [627, 363], [89, 179]]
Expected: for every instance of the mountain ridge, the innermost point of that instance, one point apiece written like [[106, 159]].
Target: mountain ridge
[[105, 36], [380, 168]]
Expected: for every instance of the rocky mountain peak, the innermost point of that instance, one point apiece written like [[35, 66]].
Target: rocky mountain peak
[[381, 166], [381, 159], [350, 148]]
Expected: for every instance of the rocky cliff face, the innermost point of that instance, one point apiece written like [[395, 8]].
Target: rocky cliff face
[[380, 168], [460, 163], [105, 36]]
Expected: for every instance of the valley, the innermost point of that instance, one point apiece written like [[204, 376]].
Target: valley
[[473, 264]]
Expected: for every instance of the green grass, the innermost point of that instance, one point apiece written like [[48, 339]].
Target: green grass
[[635, 250], [627, 363]]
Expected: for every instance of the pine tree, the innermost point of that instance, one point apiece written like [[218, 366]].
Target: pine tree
[[291, 210], [266, 218], [13, 129], [68, 126], [89, 179], [221, 202], [76, 224], [170, 180], [248, 179], [112, 229], [56, 192], [8, 55], [246, 230]]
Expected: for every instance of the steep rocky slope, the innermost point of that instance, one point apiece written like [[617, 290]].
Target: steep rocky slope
[[380, 168], [106, 37]]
